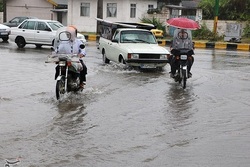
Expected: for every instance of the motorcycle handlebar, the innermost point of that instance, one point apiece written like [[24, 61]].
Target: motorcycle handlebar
[[53, 58]]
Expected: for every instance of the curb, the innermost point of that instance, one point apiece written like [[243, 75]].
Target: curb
[[197, 44], [214, 45]]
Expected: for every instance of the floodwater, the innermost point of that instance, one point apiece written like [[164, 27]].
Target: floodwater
[[125, 118]]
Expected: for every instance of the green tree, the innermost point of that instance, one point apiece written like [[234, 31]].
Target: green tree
[[156, 22], [228, 9], [1, 5]]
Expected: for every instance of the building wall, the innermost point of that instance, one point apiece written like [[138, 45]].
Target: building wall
[[34, 8], [86, 24], [221, 25], [89, 24], [1, 17]]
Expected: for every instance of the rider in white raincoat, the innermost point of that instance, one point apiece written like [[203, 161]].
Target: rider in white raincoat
[[67, 43]]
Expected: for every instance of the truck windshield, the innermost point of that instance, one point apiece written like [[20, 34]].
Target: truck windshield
[[135, 36]]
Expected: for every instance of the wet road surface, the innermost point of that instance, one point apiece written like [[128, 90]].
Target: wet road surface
[[125, 117]]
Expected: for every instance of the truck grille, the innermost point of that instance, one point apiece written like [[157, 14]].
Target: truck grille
[[149, 56]]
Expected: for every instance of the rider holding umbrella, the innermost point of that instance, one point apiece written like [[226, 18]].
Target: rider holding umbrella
[[182, 41]]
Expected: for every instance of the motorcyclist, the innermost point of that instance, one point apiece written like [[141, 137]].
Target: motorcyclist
[[74, 46], [182, 39]]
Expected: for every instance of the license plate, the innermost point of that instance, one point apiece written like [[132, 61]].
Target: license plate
[[183, 57], [148, 66], [3, 33]]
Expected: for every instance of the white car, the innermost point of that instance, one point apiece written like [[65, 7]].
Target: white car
[[82, 38], [36, 31], [134, 47], [4, 32]]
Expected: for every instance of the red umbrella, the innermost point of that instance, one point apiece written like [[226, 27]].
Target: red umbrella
[[183, 23]]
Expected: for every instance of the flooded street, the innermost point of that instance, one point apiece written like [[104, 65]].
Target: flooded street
[[125, 118]]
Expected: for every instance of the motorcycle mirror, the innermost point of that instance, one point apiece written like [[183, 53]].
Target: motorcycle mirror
[[82, 46]]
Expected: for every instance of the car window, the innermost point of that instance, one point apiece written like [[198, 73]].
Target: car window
[[14, 20], [21, 19], [18, 19], [55, 25], [42, 26], [116, 36], [28, 25], [137, 36]]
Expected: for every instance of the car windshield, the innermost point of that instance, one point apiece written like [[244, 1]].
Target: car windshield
[[55, 25], [133, 36]]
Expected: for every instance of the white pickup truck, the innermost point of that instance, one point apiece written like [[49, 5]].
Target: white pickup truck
[[133, 45]]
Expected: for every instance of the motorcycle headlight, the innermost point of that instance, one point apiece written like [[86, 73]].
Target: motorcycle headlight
[[61, 63], [134, 56]]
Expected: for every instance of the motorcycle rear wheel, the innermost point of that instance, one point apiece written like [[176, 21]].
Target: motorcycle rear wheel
[[59, 89]]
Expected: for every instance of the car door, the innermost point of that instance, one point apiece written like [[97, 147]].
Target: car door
[[43, 33], [26, 30], [114, 47]]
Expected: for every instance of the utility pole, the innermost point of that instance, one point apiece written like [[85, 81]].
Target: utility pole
[[216, 13]]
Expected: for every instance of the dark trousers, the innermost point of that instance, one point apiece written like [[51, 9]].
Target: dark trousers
[[83, 73], [175, 63]]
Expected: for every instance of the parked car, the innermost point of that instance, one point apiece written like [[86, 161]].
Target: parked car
[[4, 32], [158, 33], [17, 20], [82, 38], [36, 31]]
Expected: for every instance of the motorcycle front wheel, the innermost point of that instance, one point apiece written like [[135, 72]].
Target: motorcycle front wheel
[[59, 89], [184, 78]]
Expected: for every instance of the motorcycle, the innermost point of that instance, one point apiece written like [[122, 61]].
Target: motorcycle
[[68, 66], [68, 79], [182, 57]]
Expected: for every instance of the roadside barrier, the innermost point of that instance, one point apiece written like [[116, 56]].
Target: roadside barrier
[[214, 45]]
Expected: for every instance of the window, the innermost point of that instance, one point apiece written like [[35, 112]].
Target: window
[[150, 7], [55, 25], [111, 9], [29, 25], [132, 10], [85, 9], [41, 26]]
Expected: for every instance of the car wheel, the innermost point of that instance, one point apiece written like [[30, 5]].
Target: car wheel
[[5, 39], [20, 42], [104, 58]]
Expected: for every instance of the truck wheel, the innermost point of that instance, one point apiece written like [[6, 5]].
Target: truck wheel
[[104, 58], [121, 60]]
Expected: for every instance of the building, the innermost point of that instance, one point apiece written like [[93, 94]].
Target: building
[[33, 8], [82, 13]]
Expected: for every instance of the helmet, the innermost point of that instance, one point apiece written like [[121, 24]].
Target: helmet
[[73, 28]]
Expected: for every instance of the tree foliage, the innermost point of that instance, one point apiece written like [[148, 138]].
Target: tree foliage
[[156, 22], [1, 5], [228, 9]]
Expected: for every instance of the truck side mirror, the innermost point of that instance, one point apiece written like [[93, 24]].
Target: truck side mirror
[[114, 40]]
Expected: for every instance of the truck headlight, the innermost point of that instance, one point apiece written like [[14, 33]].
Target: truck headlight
[[134, 56], [163, 56]]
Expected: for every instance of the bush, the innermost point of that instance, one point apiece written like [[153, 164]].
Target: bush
[[156, 22], [205, 34], [246, 31]]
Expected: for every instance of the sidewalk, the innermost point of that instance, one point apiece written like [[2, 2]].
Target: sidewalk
[[197, 44]]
